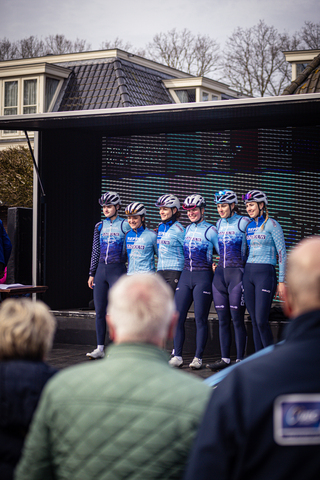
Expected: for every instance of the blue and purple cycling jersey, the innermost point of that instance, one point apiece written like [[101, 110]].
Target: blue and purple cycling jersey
[[232, 241], [107, 247], [141, 246], [170, 246], [198, 246], [265, 244]]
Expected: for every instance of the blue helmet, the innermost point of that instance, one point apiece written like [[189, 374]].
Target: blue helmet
[[225, 196]]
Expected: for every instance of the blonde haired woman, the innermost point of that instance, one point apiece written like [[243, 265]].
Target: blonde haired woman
[[266, 242], [26, 335]]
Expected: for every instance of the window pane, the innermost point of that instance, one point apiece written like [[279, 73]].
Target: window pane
[[51, 87], [11, 94], [30, 92], [29, 110], [10, 111], [205, 96], [186, 96]]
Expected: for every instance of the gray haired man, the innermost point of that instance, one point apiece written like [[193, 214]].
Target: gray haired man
[[128, 416]]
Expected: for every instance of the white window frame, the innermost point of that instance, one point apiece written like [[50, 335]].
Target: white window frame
[[56, 93], [20, 105]]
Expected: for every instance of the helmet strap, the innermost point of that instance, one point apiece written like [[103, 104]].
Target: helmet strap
[[201, 216], [173, 218], [231, 210]]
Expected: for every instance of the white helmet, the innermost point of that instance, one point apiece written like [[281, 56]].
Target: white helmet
[[110, 198], [193, 201], [169, 201], [255, 196], [225, 196], [135, 208]]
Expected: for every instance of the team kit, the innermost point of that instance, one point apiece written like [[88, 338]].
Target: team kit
[[248, 249]]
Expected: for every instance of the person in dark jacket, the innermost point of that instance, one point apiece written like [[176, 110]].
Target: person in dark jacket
[[5, 249], [263, 419], [26, 334]]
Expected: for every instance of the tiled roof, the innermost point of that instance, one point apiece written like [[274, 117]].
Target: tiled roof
[[111, 84], [308, 81]]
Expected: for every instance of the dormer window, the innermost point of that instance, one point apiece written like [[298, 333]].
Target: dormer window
[[205, 97], [186, 96], [30, 96], [51, 88], [11, 98]]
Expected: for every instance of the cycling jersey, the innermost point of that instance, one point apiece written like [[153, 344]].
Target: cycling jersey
[[108, 238], [232, 241], [198, 246], [170, 246], [141, 248], [264, 245]]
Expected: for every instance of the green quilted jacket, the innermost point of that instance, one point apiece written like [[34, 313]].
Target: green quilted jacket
[[129, 416]]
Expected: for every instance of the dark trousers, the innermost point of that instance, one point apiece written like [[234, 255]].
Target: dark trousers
[[193, 286], [260, 285], [171, 277], [106, 275], [228, 299]]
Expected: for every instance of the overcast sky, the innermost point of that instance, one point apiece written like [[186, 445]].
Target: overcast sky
[[136, 21]]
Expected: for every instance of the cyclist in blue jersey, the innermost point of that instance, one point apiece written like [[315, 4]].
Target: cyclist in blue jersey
[[140, 242], [170, 236], [196, 279], [227, 286], [107, 262], [266, 242]]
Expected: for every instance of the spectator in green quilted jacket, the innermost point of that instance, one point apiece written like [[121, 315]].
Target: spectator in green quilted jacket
[[130, 416]]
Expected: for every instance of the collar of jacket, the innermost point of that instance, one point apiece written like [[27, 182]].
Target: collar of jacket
[[230, 220], [140, 229], [299, 326], [113, 221], [140, 350]]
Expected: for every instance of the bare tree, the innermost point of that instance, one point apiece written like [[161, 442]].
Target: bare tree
[[116, 43], [59, 44], [7, 49], [122, 45], [310, 34], [197, 55], [30, 47], [254, 63]]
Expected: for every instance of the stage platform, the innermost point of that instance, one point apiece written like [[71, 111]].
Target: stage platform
[[75, 335]]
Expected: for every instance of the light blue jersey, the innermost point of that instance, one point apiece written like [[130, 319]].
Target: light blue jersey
[[198, 246], [264, 245], [141, 248], [232, 241], [170, 246], [108, 238]]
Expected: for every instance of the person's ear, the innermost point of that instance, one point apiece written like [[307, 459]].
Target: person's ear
[[172, 326], [111, 328], [174, 210]]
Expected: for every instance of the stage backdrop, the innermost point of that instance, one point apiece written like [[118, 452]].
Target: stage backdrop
[[77, 166]]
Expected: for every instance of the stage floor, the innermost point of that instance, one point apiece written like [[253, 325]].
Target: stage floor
[[66, 355]]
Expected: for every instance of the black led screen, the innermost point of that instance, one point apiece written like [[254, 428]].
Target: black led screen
[[284, 163]]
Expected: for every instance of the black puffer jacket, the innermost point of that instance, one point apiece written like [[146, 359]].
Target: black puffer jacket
[[21, 383]]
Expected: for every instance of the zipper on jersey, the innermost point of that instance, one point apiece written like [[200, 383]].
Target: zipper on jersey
[[107, 252], [190, 257], [224, 245], [165, 231]]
